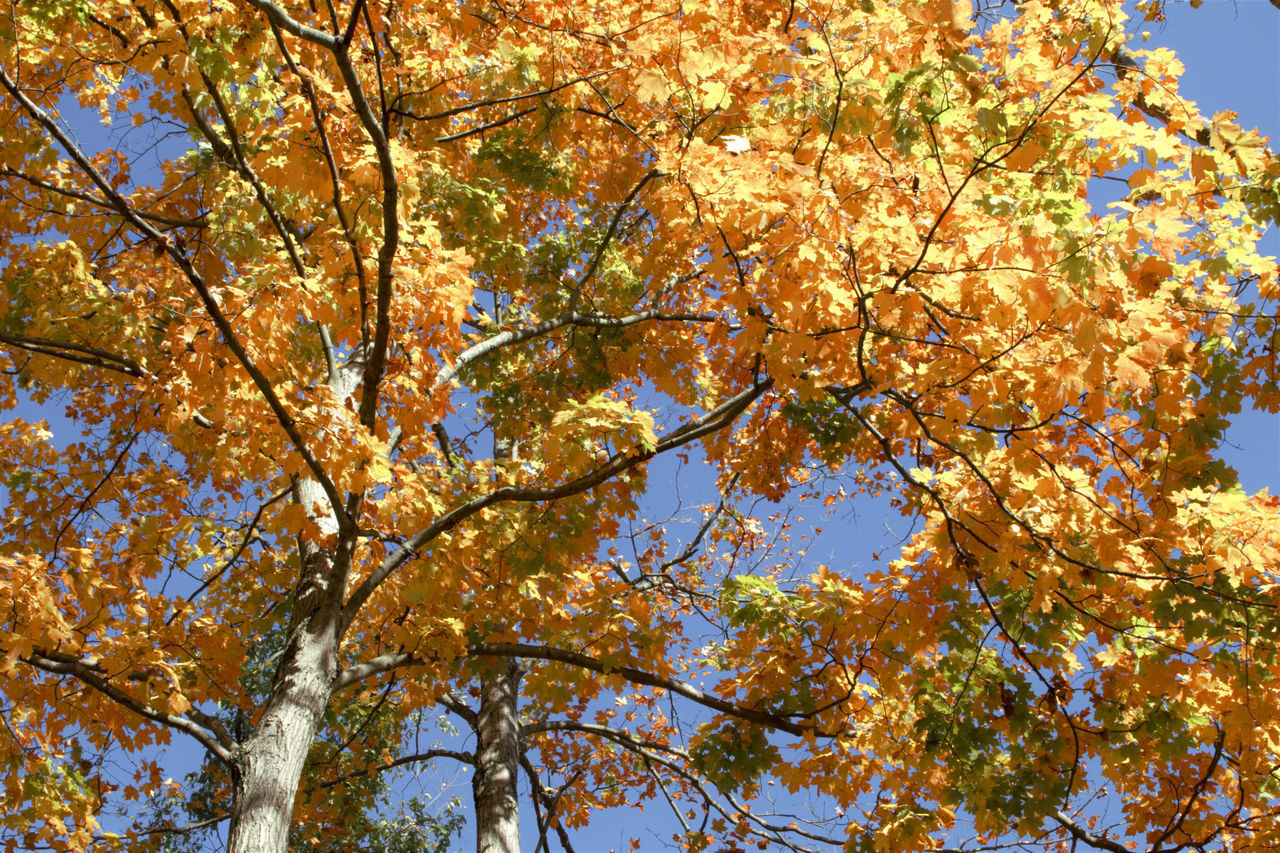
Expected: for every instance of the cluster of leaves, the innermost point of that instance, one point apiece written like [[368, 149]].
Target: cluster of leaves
[[373, 380]]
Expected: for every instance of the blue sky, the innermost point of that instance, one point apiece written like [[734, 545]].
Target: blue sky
[[1231, 51]]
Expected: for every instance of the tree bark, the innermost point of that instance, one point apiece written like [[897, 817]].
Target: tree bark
[[272, 759], [270, 763], [497, 758]]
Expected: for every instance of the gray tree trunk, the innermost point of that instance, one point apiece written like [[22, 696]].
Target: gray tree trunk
[[497, 759], [270, 763], [272, 759]]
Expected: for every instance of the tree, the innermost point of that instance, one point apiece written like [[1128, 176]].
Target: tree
[[371, 367]]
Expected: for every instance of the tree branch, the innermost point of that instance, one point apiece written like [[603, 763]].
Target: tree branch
[[60, 664], [79, 353], [572, 318], [527, 651], [234, 159], [714, 420], [98, 202], [541, 794], [263, 384], [457, 706], [1080, 833], [511, 99], [649, 751], [428, 755], [376, 360], [781, 722], [463, 134], [282, 20], [590, 269], [244, 543]]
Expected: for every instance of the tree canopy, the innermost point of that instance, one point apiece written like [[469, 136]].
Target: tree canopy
[[384, 329]]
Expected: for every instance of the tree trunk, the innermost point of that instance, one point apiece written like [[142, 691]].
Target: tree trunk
[[271, 761], [497, 757]]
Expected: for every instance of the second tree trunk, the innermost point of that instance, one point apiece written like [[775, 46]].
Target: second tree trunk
[[497, 759]]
